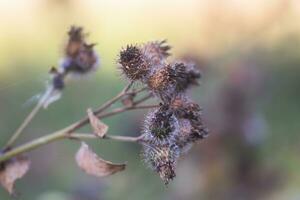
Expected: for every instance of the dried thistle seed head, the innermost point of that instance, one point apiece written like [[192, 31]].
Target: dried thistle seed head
[[190, 121], [133, 63], [160, 80], [168, 81], [80, 57], [162, 159], [160, 125], [156, 52], [183, 107], [75, 41], [184, 76]]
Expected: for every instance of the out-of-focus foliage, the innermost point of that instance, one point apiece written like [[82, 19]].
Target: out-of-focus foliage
[[249, 51]]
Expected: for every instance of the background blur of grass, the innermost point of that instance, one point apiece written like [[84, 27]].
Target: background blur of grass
[[224, 34]]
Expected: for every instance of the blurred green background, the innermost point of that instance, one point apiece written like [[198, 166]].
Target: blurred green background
[[249, 54]]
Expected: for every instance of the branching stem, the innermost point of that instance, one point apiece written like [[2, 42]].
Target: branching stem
[[68, 132]]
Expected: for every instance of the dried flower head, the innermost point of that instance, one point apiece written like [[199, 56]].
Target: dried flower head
[[80, 57], [162, 159], [160, 125], [156, 52], [191, 111], [139, 62], [172, 79], [172, 129], [76, 39], [133, 63]]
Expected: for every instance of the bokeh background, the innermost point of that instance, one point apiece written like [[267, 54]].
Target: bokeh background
[[249, 54]]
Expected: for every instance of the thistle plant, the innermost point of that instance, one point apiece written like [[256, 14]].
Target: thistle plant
[[170, 128]]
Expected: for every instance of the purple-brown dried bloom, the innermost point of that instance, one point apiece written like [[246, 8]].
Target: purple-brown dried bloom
[[172, 79], [162, 159], [175, 124], [139, 62], [160, 125], [133, 63], [156, 52], [80, 57], [186, 110]]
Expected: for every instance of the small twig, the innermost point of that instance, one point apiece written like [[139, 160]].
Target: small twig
[[102, 108], [28, 119], [120, 110], [110, 137], [143, 99], [113, 100], [61, 134], [68, 132]]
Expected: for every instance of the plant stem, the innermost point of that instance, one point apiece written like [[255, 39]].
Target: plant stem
[[68, 131], [28, 119], [65, 133], [110, 137]]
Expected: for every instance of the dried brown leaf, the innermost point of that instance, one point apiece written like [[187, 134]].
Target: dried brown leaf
[[92, 164], [99, 128], [12, 170], [128, 100]]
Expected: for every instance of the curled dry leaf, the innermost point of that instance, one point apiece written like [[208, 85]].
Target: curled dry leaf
[[127, 100], [92, 164], [100, 129], [12, 170]]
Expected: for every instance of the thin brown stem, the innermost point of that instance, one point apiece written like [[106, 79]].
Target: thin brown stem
[[66, 132], [145, 98], [121, 110], [28, 119], [81, 136]]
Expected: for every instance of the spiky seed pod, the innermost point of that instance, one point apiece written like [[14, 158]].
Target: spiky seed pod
[[133, 63], [80, 57], [160, 126], [172, 79], [184, 109], [160, 81], [161, 158], [139, 62], [184, 75], [156, 52]]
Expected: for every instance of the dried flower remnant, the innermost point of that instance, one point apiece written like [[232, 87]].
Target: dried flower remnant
[[133, 63], [92, 164], [139, 62], [172, 79], [189, 115], [12, 170], [161, 159], [178, 124], [79, 59], [156, 52]]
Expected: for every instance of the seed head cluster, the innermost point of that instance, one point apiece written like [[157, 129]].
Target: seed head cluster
[[171, 129]]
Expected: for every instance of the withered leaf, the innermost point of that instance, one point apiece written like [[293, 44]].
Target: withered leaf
[[92, 164], [128, 100], [99, 128], [12, 170]]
